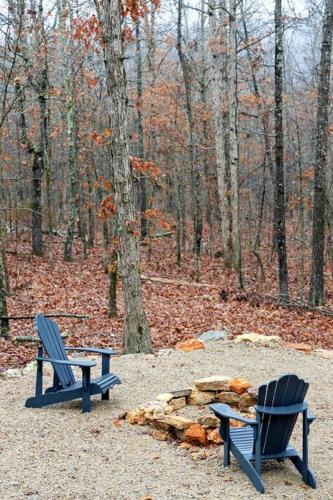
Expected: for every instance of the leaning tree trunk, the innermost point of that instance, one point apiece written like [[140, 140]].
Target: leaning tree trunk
[[137, 332], [279, 205], [317, 294]]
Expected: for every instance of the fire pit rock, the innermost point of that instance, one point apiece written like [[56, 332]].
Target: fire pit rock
[[167, 414]]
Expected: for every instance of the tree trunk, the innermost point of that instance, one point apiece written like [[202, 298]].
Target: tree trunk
[[72, 150], [36, 217], [91, 211], [141, 153], [4, 323], [234, 147], [193, 154], [43, 98], [220, 109], [205, 132], [137, 332], [317, 293], [279, 205]]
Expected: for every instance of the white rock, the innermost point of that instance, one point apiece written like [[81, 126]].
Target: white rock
[[213, 335], [164, 352], [200, 397], [257, 338], [178, 403], [165, 396], [13, 373], [30, 367], [213, 383]]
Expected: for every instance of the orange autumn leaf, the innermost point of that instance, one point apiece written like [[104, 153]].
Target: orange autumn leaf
[[106, 132]]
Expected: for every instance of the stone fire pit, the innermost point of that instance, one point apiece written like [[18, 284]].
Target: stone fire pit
[[183, 414]]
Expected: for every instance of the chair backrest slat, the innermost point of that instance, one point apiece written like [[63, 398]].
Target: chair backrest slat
[[49, 334], [276, 430]]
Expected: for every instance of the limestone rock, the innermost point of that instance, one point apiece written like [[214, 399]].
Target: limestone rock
[[165, 396], [213, 335], [168, 409], [164, 352], [185, 446], [160, 424], [208, 421], [214, 383], [214, 436], [189, 345], [239, 385], [154, 408], [253, 391], [180, 423], [246, 400], [200, 397], [182, 393], [231, 398], [325, 353], [196, 434], [257, 338], [30, 367], [136, 416], [148, 412], [177, 403], [160, 435], [301, 346], [12, 373]]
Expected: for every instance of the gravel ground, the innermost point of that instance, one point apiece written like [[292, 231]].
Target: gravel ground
[[58, 453]]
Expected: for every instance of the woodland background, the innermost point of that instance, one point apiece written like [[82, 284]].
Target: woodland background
[[229, 133]]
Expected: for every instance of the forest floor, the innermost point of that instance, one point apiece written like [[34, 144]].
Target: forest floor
[[56, 452], [174, 312]]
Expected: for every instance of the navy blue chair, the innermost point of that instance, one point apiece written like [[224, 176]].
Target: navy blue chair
[[65, 387], [267, 437]]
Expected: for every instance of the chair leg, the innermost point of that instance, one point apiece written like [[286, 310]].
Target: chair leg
[[106, 395], [39, 374], [308, 477], [249, 470], [86, 390], [226, 455], [224, 433]]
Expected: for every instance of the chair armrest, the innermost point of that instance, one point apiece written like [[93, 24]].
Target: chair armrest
[[109, 352], [282, 410], [224, 411], [83, 363]]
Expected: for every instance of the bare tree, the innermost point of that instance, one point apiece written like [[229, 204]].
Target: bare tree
[[279, 202], [137, 332], [317, 294], [192, 146]]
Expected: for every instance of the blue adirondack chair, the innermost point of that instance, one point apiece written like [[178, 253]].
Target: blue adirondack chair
[[65, 387], [267, 437]]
